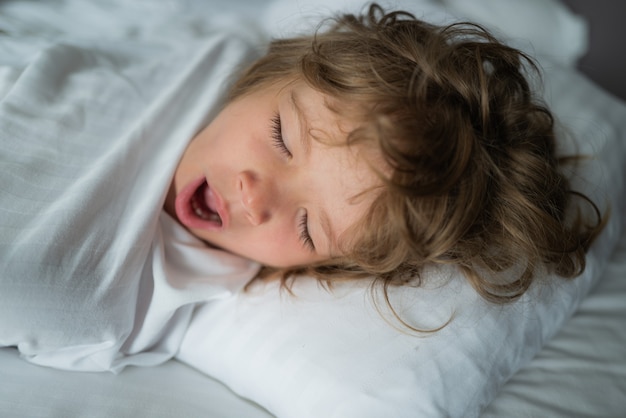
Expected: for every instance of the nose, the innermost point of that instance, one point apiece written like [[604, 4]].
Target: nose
[[256, 197]]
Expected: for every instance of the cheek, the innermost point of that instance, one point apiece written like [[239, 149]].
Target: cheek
[[273, 248], [270, 244]]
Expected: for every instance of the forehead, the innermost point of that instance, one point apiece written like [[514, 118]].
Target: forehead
[[331, 119]]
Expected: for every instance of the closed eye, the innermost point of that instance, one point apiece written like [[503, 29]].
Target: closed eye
[[277, 136], [303, 229]]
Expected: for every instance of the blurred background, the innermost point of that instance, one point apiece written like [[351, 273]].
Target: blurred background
[[605, 63]]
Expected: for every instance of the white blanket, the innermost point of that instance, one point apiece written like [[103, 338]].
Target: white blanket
[[90, 133]]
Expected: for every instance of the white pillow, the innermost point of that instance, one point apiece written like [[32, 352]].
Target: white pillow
[[545, 27], [330, 354]]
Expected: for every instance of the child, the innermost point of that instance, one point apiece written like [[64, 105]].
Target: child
[[375, 148], [378, 147]]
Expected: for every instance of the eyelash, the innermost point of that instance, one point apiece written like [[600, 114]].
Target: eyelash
[[305, 237], [277, 136]]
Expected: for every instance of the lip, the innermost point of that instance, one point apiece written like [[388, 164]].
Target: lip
[[186, 214]]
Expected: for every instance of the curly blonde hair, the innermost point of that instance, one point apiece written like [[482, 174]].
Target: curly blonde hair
[[475, 180]]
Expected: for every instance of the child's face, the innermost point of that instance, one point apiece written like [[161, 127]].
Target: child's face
[[237, 188]]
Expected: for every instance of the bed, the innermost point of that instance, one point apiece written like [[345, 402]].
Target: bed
[[562, 356]]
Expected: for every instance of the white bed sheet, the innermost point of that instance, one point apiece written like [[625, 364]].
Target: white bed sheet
[[581, 372], [170, 390]]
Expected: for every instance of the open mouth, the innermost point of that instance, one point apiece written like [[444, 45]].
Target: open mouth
[[197, 206], [203, 204]]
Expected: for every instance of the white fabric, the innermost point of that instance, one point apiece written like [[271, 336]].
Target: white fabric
[[182, 272], [167, 391], [545, 27], [582, 371], [540, 27], [90, 133]]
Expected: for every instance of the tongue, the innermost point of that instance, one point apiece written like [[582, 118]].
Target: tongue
[[209, 199], [205, 205]]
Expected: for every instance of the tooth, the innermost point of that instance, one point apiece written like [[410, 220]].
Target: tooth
[[208, 216], [215, 218]]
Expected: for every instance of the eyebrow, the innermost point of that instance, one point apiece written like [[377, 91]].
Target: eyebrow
[[302, 121]]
